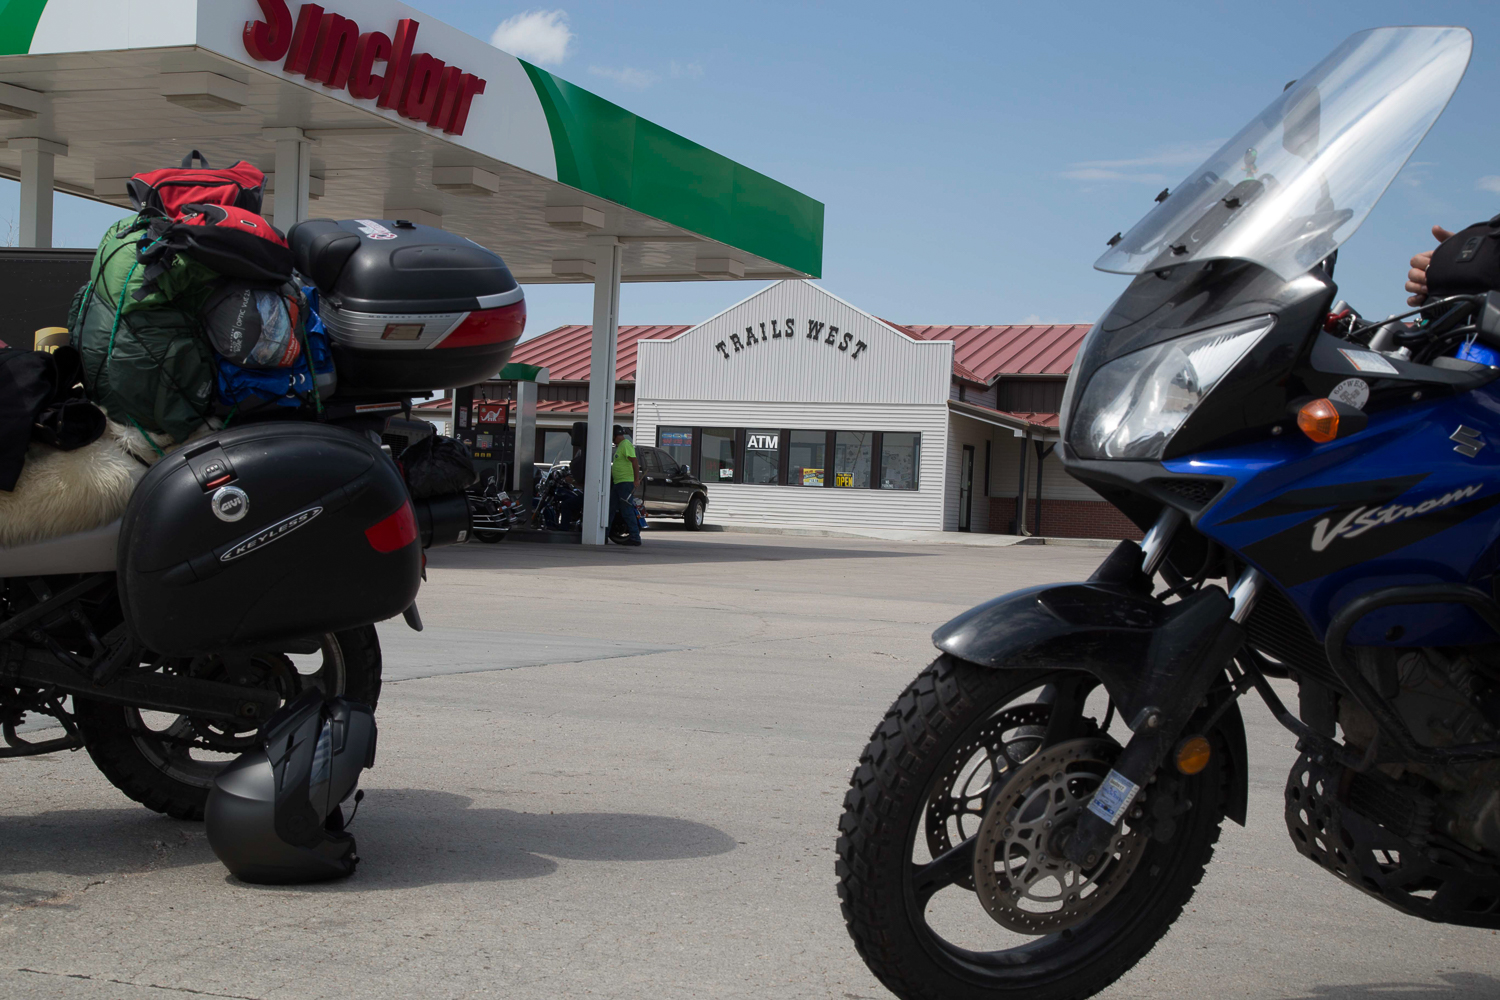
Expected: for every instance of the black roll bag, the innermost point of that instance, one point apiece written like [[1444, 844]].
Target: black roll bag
[[409, 308], [263, 534]]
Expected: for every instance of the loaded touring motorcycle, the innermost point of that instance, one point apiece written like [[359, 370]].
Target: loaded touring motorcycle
[[1320, 502], [251, 564]]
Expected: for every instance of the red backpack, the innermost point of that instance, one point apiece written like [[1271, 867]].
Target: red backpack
[[167, 191], [235, 243]]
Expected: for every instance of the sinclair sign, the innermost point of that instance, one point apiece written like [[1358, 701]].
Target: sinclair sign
[[330, 49]]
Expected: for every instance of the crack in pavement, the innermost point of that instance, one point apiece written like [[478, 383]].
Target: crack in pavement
[[161, 850], [142, 986]]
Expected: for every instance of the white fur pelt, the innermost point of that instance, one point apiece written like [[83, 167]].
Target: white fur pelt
[[62, 492]]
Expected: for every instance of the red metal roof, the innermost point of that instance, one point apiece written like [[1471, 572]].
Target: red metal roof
[[981, 354], [1019, 349], [578, 406], [1040, 419], [442, 407], [1047, 420], [564, 352]]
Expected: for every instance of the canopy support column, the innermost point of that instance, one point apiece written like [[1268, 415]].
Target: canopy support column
[[36, 189], [1022, 486], [601, 388], [293, 176], [524, 452]]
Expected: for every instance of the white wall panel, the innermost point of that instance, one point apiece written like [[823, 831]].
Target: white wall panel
[[975, 434], [791, 506], [1056, 483], [738, 355]]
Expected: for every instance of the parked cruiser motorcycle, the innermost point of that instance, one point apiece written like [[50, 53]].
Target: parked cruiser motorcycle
[[559, 500], [250, 565], [492, 511], [1036, 809]]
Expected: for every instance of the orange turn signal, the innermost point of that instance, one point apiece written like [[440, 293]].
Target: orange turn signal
[[1192, 754], [1319, 420]]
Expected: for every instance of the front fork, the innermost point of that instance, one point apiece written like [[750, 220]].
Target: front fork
[[1204, 632]]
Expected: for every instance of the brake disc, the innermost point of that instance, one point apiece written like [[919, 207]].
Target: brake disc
[[1024, 880], [957, 801]]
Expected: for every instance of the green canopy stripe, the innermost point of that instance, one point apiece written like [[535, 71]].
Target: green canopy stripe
[[606, 151], [18, 21]]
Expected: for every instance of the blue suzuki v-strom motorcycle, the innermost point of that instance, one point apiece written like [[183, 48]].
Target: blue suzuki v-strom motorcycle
[[1321, 502]]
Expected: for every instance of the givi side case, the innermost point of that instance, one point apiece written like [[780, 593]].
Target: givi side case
[[265, 533], [408, 307]]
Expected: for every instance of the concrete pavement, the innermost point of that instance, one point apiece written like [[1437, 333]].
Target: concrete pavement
[[635, 793]]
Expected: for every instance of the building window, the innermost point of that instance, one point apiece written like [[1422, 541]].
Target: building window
[[677, 442], [557, 446], [900, 458], [807, 457], [718, 455], [852, 453], [762, 457]]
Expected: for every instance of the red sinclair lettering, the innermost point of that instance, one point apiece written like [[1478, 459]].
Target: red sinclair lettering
[[364, 82], [329, 49], [333, 58], [268, 40], [304, 39], [397, 65]]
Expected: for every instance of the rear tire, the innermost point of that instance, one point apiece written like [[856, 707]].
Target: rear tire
[[912, 765], [692, 518], [164, 777]]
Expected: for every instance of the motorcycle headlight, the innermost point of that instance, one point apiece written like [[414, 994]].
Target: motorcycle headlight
[[1133, 405]]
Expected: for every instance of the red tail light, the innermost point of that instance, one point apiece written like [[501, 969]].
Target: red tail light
[[394, 532], [488, 326]]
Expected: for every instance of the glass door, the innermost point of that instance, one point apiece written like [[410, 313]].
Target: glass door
[[966, 488]]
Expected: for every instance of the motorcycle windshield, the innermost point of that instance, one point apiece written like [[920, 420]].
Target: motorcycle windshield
[[1297, 181]]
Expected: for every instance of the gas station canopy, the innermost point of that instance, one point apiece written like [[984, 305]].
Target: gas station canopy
[[390, 116], [380, 111]]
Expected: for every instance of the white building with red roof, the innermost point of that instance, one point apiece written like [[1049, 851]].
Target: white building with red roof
[[800, 410]]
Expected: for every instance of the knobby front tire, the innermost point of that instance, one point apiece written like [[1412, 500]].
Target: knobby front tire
[[912, 760]]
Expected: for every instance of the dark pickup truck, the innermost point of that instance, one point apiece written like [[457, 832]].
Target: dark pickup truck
[[671, 490]]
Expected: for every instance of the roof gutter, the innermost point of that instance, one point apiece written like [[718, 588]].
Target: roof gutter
[[1017, 426]]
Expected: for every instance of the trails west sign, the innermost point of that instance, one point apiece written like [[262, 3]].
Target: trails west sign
[[331, 50], [777, 329]]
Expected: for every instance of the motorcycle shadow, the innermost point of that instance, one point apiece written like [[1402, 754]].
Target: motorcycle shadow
[[1455, 986], [91, 845], [411, 837]]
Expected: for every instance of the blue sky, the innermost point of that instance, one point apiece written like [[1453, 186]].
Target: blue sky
[[974, 157]]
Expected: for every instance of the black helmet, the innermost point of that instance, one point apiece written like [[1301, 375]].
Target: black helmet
[[273, 815]]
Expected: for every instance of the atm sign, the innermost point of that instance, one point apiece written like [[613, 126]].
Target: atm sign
[[331, 50]]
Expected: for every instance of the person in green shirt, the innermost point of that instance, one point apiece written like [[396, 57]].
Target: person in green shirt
[[624, 476]]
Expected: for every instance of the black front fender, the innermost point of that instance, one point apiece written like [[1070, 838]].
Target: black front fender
[[1104, 629]]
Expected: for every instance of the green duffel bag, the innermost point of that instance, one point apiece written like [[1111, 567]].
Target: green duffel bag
[[146, 360]]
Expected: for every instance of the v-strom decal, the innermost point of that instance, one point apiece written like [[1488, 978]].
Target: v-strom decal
[[1362, 519], [1345, 537], [1370, 491]]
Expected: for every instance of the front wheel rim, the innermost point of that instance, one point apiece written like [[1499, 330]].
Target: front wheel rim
[[1065, 696]]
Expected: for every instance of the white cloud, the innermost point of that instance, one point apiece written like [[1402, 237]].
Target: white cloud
[[1136, 169], [626, 76], [540, 36], [692, 70], [1490, 183]]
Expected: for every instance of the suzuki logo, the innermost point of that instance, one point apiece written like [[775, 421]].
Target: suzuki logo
[[1468, 441]]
